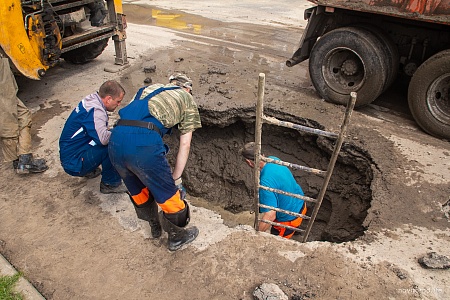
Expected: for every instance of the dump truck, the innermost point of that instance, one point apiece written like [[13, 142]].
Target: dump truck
[[365, 46], [36, 34]]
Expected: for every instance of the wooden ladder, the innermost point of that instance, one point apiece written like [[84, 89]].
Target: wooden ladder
[[260, 119]]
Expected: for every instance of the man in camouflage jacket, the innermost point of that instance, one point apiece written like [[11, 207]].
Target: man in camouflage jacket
[[138, 153]]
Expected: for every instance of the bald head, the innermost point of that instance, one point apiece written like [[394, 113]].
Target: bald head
[[111, 88]]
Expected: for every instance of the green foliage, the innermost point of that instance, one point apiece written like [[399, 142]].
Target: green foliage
[[6, 287]]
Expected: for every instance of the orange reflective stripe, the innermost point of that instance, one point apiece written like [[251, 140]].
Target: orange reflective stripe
[[294, 223], [142, 197], [173, 205], [289, 235]]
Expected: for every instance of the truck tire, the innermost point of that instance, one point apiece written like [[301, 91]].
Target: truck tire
[[345, 60], [86, 53], [429, 95], [390, 51]]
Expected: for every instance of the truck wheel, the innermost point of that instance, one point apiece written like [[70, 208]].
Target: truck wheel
[[390, 51], [86, 53], [429, 95], [346, 60]]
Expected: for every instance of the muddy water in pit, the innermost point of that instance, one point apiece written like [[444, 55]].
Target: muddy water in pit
[[216, 173], [216, 176]]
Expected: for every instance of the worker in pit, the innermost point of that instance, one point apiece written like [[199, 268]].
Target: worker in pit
[[83, 144], [276, 177], [15, 126], [138, 153]]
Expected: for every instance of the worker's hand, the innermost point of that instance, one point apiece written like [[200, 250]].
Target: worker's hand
[[182, 191], [180, 187]]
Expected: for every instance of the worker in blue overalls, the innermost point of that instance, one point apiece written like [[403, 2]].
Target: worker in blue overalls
[[138, 153]]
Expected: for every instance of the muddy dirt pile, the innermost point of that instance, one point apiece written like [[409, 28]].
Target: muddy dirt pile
[[387, 204]]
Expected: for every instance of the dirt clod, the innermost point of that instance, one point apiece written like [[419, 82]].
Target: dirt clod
[[434, 261]]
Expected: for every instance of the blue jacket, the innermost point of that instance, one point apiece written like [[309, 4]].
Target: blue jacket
[[87, 126]]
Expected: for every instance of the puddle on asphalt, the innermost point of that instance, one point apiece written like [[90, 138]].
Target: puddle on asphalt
[[145, 15], [258, 44]]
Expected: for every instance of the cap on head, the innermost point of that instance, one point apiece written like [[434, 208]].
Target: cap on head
[[181, 80], [248, 151]]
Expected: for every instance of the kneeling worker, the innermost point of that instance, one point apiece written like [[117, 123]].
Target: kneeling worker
[[83, 145], [280, 178], [138, 153]]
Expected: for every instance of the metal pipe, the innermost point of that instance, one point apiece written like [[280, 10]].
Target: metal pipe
[[425, 45], [413, 43], [32, 14], [348, 112], [293, 61]]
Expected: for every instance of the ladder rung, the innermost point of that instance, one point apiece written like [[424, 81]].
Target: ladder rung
[[287, 194], [260, 119], [293, 166], [288, 212], [275, 121], [281, 225]]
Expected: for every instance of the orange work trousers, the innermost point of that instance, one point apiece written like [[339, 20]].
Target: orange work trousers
[[285, 232]]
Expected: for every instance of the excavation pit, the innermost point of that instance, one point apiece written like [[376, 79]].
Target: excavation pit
[[217, 173]]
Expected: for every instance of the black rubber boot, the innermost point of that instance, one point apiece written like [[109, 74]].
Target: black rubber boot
[[27, 164], [149, 212], [174, 223]]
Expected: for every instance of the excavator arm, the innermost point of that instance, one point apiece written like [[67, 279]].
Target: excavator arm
[[36, 34], [15, 42]]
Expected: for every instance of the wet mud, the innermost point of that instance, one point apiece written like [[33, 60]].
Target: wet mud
[[72, 242], [226, 93], [217, 173]]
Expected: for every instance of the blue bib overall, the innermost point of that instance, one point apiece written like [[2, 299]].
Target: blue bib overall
[[139, 155]]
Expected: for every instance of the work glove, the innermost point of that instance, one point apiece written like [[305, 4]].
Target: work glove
[[180, 187]]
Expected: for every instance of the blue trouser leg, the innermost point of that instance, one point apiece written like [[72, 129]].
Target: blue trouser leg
[[131, 181], [139, 156], [154, 172], [98, 155]]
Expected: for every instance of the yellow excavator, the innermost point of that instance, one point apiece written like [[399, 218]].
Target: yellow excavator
[[36, 34]]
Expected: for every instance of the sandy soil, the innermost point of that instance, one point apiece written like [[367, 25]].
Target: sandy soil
[[72, 242]]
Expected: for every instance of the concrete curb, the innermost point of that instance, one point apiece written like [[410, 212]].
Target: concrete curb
[[22, 286]]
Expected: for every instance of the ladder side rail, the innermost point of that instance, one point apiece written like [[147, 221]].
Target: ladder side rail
[[282, 225], [288, 194], [288, 212], [334, 156], [294, 166], [278, 122], [258, 133]]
